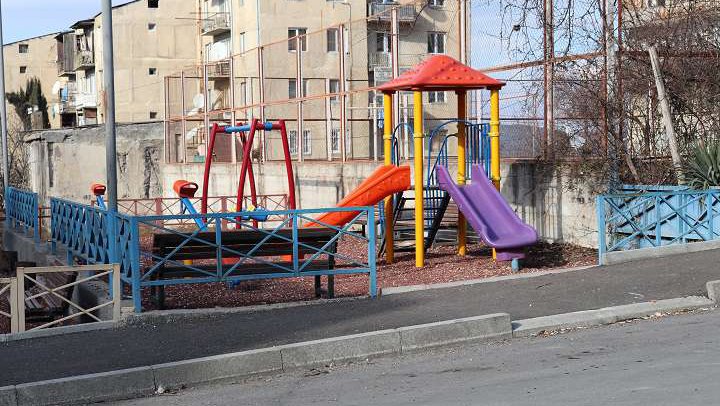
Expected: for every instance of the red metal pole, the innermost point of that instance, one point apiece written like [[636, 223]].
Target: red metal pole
[[288, 164], [208, 164]]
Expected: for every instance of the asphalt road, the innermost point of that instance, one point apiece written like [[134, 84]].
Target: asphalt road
[[134, 346], [668, 361]]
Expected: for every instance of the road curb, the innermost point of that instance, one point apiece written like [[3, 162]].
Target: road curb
[[57, 331], [105, 386], [607, 315], [713, 290]]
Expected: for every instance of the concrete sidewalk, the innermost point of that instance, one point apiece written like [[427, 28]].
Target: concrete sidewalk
[[135, 346]]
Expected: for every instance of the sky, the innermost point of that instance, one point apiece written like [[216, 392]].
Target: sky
[[30, 18]]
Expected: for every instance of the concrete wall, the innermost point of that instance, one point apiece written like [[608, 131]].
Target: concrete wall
[[65, 162], [560, 210]]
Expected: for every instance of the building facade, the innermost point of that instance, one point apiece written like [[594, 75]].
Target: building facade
[[33, 58], [259, 60], [151, 39]]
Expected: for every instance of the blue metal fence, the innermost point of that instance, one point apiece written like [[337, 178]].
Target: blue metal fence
[[22, 210], [631, 220], [83, 230]]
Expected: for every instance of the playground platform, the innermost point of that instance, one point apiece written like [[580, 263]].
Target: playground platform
[[524, 297]]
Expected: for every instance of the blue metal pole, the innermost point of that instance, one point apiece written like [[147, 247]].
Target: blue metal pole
[[135, 264], [600, 203], [372, 259]]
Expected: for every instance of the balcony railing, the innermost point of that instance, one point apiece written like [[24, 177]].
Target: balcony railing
[[379, 60], [381, 12], [219, 69], [85, 100], [84, 60], [215, 23]]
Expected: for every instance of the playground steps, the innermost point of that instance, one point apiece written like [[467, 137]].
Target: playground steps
[[436, 203]]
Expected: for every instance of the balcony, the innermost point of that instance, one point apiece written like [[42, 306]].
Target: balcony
[[67, 105], [215, 23], [218, 70], [379, 60], [84, 60], [381, 12], [86, 100]]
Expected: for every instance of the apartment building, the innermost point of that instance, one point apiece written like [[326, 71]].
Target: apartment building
[[293, 60], [33, 58], [151, 39]]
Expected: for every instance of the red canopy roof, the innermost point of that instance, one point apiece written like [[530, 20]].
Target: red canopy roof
[[441, 72]]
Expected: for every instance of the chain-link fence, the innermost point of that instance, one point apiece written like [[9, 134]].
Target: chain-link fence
[[578, 80]]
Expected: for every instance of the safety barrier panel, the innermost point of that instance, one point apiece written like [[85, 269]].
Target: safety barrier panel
[[21, 209], [37, 291], [8, 296], [81, 229], [631, 220]]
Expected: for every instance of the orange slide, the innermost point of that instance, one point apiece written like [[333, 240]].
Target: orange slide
[[385, 181]]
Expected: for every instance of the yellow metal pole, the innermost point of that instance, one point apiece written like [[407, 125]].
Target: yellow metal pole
[[495, 140], [418, 157], [462, 225], [387, 143], [495, 137]]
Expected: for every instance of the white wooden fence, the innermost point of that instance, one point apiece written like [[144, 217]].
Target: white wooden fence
[[31, 286]]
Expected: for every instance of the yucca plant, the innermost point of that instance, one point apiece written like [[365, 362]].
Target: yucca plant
[[702, 168]]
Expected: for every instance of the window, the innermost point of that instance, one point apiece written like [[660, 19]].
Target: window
[[436, 42], [436, 3], [292, 88], [153, 115], [23, 48], [332, 40], [153, 3], [293, 33], [152, 71], [241, 42], [307, 142], [152, 26], [382, 42], [23, 69], [292, 141], [436, 97], [335, 141], [333, 87]]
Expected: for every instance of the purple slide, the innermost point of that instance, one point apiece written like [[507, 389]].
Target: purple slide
[[489, 214]]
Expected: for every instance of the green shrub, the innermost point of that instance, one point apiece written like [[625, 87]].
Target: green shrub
[[702, 168]]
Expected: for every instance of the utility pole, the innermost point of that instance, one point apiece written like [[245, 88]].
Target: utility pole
[[110, 146], [666, 113], [549, 74], [3, 113], [615, 141]]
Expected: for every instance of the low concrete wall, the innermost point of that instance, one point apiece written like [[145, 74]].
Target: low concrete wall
[[541, 196], [64, 163]]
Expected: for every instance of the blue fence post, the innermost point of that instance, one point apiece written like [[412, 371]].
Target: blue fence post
[[602, 228], [711, 200], [218, 243], [296, 251], [658, 222], [36, 218], [135, 264], [372, 260]]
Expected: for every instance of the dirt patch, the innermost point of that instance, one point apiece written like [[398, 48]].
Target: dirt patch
[[442, 265]]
